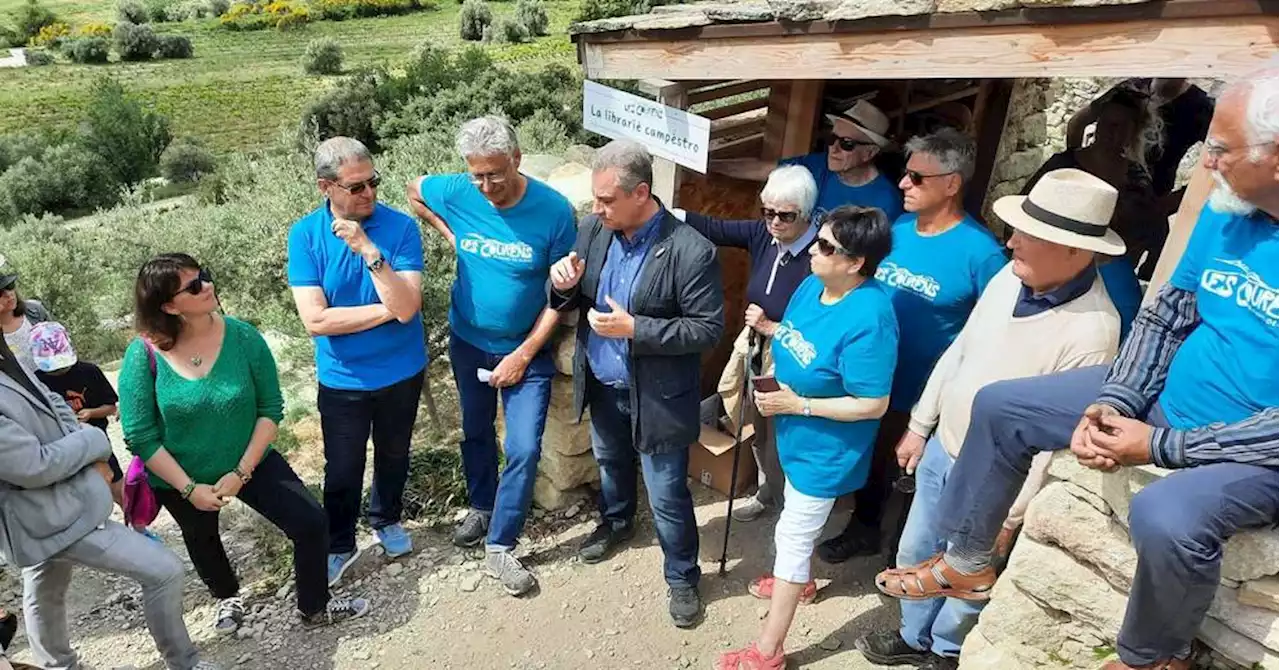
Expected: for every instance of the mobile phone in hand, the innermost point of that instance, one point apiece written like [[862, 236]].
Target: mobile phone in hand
[[765, 384]]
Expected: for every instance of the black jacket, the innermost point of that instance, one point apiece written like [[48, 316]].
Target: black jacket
[[678, 306]]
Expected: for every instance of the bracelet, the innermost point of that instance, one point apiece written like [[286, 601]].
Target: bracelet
[[187, 490], [244, 476]]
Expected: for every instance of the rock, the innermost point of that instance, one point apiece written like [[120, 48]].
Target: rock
[[946, 6], [565, 345], [580, 154], [1260, 593], [394, 569], [852, 10], [572, 511], [573, 180], [762, 612], [1236, 647], [567, 472], [1015, 621], [361, 655], [830, 644], [1257, 624], [739, 12], [470, 582], [1050, 576], [1250, 555], [1058, 518], [539, 166], [284, 591], [589, 653], [672, 21]]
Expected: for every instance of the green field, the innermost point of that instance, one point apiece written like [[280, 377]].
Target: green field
[[242, 88]]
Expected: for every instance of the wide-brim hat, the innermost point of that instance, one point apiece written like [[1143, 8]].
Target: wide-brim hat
[[869, 119], [1069, 207]]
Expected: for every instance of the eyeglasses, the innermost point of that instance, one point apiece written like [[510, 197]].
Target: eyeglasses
[[359, 187], [917, 178], [785, 217], [847, 143], [1217, 151], [491, 177], [195, 286], [826, 248]]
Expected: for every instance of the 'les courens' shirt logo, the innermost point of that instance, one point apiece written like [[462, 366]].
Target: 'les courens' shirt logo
[[793, 341], [1246, 288], [484, 247], [899, 277]]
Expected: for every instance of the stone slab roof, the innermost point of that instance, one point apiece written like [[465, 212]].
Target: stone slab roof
[[698, 14]]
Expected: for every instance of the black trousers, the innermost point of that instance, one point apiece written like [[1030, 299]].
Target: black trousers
[[279, 495]]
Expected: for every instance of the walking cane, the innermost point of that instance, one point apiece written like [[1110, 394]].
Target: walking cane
[[752, 344]]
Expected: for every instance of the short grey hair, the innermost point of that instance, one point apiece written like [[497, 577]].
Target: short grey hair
[[955, 151], [487, 136], [335, 151], [631, 160], [792, 184], [1262, 113]]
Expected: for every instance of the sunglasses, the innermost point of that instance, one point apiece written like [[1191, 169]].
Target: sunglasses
[[785, 217], [917, 178], [359, 187], [826, 248], [847, 143], [195, 286]]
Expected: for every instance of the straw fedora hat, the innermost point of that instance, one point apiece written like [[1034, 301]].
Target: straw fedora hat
[[1068, 207], [869, 119]]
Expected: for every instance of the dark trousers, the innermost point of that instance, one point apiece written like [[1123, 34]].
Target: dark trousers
[[346, 419], [869, 501], [277, 494], [665, 478], [1178, 524]]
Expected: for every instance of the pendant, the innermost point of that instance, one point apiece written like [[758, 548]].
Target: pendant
[[197, 360]]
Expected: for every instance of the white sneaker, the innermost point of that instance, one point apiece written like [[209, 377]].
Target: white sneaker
[[749, 509], [229, 616]]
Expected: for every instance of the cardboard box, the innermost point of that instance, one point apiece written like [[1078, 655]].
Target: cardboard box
[[711, 460]]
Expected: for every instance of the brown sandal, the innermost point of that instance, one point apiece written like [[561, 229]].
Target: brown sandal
[[935, 579]]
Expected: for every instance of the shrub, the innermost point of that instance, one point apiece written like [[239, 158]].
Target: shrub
[[173, 46], [323, 56], [135, 42], [507, 31], [51, 35], [93, 30], [218, 7], [127, 137], [30, 18], [65, 177], [10, 38], [341, 10], [186, 161], [279, 14], [17, 146], [532, 14], [543, 133], [89, 50], [157, 10], [473, 19], [347, 109], [39, 57], [132, 11]]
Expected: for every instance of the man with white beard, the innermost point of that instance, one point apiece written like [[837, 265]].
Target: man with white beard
[[1194, 389]]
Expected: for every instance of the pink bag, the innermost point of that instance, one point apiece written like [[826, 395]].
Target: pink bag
[[140, 506]]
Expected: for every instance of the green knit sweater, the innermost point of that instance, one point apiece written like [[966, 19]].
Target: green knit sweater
[[205, 424]]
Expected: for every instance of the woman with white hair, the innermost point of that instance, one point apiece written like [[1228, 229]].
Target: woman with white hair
[[778, 243]]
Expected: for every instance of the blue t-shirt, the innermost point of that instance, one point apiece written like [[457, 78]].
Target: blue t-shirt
[[833, 193], [934, 282], [1121, 281], [828, 351], [1226, 370], [504, 257], [383, 355]]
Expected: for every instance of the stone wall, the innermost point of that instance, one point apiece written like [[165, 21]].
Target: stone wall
[[1062, 598]]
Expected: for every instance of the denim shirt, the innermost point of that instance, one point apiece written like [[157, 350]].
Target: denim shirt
[[609, 357]]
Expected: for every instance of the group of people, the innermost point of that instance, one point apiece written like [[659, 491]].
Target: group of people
[[886, 331]]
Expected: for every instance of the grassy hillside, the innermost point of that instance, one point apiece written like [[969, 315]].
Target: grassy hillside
[[243, 87]]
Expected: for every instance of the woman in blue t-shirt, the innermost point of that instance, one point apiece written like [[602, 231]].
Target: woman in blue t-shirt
[[834, 355]]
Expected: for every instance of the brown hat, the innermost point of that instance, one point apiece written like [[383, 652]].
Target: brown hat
[[869, 119]]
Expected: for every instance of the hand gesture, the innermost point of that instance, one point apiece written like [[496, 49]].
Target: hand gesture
[[510, 370], [567, 272], [84, 415], [353, 234], [205, 499], [1122, 440], [617, 324], [1082, 438], [910, 450], [228, 486], [782, 401], [758, 322]]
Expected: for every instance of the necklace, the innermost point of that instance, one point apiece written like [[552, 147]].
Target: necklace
[[197, 360]]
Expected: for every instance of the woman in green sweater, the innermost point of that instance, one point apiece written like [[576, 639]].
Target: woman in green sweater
[[200, 403]]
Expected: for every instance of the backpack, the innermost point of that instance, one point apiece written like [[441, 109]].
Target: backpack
[[140, 505]]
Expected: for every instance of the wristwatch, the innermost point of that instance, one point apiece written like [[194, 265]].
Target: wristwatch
[[244, 476], [808, 411], [377, 263]]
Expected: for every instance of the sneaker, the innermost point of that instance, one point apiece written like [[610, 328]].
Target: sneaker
[[229, 616], [684, 605], [888, 648], [394, 540], [503, 566], [338, 564], [936, 662], [337, 611], [762, 588], [750, 510], [602, 540], [750, 659], [472, 530], [855, 540]]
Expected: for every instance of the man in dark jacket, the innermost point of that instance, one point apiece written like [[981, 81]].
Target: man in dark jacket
[[648, 287]]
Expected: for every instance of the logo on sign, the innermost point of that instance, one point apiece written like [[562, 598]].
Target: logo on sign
[[1245, 288], [484, 247], [899, 277], [793, 341]]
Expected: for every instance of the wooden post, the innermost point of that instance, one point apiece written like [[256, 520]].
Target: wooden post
[[1198, 188], [666, 174], [988, 126], [793, 114]]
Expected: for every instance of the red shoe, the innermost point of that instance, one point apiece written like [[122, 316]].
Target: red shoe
[[749, 659], [762, 588]]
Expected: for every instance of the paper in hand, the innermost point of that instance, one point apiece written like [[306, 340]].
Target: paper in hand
[[483, 375]]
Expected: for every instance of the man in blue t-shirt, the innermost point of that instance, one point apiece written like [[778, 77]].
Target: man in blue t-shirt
[[1194, 390], [846, 172], [941, 261], [355, 268], [506, 230]]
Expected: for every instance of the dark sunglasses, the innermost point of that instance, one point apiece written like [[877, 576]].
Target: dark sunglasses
[[195, 286], [847, 143], [785, 217], [359, 187], [917, 178], [826, 248]]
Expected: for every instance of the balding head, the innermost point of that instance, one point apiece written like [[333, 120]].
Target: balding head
[[1241, 148]]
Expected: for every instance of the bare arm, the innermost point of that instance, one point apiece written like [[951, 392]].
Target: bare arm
[[751, 169], [849, 408], [420, 209], [164, 466], [400, 292], [321, 319], [542, 330], [264, 432]]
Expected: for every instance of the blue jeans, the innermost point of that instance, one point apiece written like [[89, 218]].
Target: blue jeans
[[1178, 525], [525, 408], [664, 477], [346, 419], [938, 625]]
